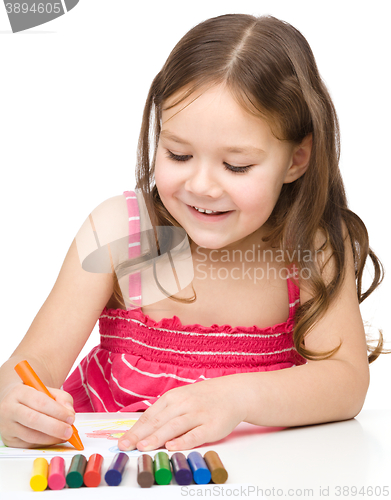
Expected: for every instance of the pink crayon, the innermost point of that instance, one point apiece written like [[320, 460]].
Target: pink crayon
[[56, 479]]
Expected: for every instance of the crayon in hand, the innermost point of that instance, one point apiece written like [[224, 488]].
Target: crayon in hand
[[30, 378]]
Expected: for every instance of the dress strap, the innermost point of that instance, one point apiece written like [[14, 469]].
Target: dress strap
[[293, 290], [134, 245]]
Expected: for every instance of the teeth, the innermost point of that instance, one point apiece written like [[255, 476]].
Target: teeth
[[205, 211]]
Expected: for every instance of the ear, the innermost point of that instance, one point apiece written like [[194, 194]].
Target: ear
[[300, 159]]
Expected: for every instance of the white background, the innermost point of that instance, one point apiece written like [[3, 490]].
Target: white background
[[72, 93]]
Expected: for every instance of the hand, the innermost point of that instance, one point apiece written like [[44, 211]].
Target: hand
[[29, 418], [189, 416]]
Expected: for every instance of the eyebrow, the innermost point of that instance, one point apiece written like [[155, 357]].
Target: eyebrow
[[230, 149]]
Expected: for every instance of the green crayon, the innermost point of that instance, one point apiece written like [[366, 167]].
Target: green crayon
[[76, 471], [162, 468]]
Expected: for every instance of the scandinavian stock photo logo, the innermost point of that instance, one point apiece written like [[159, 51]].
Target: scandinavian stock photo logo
[[29, 13]]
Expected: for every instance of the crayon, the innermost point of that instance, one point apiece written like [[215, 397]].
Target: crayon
[[30, 378], [145, 476], [217, 469], [76, 470], [201, 473], [161, 468], [181, 469], [39, 475], [56, 476], [92, 475], [114, 473]]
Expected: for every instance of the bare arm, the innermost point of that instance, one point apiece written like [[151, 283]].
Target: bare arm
[[63, 324], [320, 391], [51, 345]]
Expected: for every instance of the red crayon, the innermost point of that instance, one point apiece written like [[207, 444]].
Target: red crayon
[[92, 475], [56, 479]]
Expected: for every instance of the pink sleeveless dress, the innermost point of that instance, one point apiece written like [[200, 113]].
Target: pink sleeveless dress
[[139, 359]]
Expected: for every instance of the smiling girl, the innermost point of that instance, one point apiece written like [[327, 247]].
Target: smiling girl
[[243, 159]]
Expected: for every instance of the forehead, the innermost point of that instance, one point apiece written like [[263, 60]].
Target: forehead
[[212, 115], [233, 106], [200, 95]]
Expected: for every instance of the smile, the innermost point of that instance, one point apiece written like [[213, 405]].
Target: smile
[[205, 211], [206, 215]]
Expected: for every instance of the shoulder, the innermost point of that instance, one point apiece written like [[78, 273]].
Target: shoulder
[[103, 236], [110, 209], [324, 259], [338, 318]]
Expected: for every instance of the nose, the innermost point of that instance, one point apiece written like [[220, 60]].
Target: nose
[[203, 181]]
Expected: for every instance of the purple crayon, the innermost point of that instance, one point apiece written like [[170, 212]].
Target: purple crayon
[[181, 468], [114, 473]]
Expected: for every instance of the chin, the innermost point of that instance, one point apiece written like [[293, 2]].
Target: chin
[[210, 245]]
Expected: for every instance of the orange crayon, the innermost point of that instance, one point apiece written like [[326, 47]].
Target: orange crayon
[[30, 378]]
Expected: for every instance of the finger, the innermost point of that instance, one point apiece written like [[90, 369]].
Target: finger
[[151, 420], [44, 404], [29, 438], [172, 429], [207, 431], [62, 397], [16, 442], [37, 421], [195, 437], [141, 429]]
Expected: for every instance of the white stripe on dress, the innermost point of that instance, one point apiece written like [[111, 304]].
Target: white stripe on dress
[[123, 389], [137, 297], [97, 396], [155, 375], [107, 382], [100, 368], [84, 385]]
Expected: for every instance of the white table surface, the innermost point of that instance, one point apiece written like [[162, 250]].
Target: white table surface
[[319, 461]]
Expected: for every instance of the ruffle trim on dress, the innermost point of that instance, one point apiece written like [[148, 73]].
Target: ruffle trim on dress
[[174, 324], [169, 341]]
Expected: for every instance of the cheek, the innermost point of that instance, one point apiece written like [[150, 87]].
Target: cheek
[[258, 196], [163, 175]]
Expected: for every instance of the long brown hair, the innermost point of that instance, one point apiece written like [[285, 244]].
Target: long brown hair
[[270, 69]]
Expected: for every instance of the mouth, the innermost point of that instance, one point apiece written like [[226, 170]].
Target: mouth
[[205, 214], [208, 212]]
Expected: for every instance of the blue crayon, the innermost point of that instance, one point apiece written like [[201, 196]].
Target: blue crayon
[[181, 468], [114, 473], [201, 473]]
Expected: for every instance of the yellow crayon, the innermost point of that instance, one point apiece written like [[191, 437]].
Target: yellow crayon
[[39, 476]]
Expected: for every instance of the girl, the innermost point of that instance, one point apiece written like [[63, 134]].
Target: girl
[[243, 158]]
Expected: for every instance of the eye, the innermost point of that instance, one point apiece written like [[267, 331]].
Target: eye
[[174, 157], [237, 170], [227, 166]]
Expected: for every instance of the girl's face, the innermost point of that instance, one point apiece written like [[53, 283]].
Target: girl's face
[[213, 156]]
